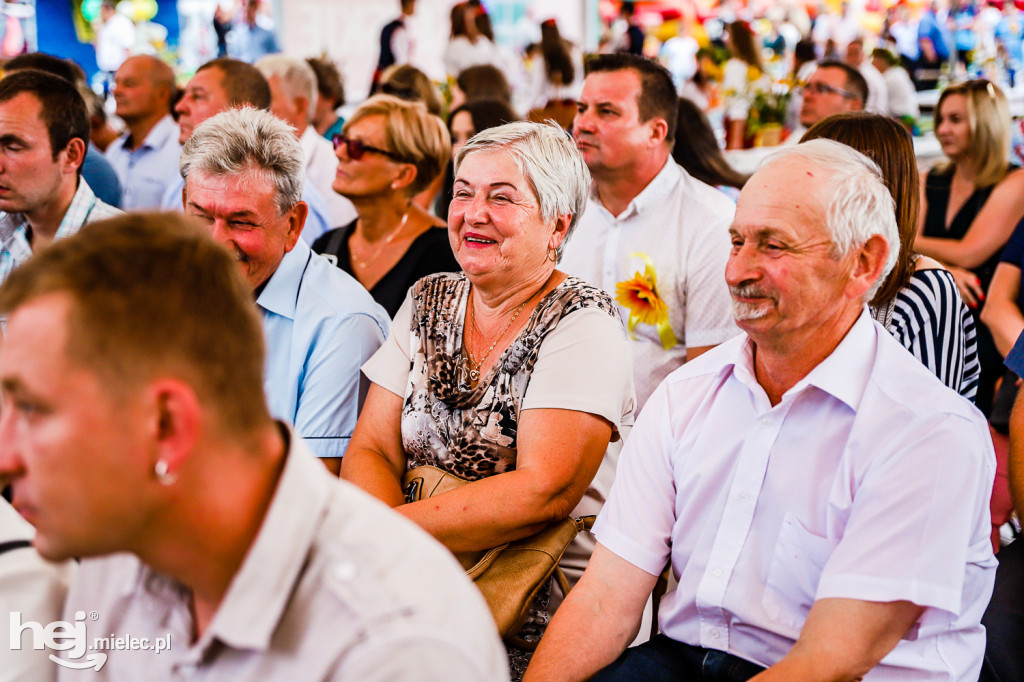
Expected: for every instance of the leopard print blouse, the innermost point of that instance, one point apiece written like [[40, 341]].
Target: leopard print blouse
[[471, 431]]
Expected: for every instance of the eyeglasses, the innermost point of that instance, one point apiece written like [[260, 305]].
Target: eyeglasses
[[356, 148], [819, 88]]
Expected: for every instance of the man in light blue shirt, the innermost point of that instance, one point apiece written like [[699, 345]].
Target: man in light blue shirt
[[243, 171], [145, 158]]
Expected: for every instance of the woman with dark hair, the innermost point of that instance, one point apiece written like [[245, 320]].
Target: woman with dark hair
[[465, 122], [406, 82], [696, 150], [918, 302], [556, 75], [739, 74], [468, 46]]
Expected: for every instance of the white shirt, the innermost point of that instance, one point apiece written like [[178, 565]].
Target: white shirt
[[902, 95], [114, 42], [335, 586], [870, 480], [321, 167], [32, 587], [878, 92], [461, 53], [682, 224]]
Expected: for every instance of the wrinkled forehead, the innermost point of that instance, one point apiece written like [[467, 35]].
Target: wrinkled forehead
[[789, 194]]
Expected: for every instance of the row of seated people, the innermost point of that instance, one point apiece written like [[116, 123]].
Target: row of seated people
[[516, 375]]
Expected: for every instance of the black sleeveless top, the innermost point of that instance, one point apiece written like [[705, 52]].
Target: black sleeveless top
[[937, 187], [429, 253]]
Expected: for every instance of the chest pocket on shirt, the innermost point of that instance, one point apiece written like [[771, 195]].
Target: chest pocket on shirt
[[794, 573]]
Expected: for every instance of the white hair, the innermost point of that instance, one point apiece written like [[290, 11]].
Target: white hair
[[548, 159], [858, 204], [297, 77], [239, 140]]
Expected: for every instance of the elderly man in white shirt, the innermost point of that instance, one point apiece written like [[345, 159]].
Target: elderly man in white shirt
[[822, 498], [293, 99]]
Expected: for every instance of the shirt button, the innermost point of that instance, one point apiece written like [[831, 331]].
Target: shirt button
[[187, 670], [766, 422], [713, 632], [717, 572], [744, 495]]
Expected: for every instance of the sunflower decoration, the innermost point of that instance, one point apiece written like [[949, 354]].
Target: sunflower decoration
[[640, 296]]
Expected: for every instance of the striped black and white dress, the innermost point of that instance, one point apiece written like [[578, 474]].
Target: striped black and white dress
[[931, 320]]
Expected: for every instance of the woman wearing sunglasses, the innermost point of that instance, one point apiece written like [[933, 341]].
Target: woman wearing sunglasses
[[972, 202], [388, 151]]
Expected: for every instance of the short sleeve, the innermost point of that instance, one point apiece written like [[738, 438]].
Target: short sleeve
[[390, 365], [330, 392], [1013, 252], [636, 521], [584, 364], [1015, 358], [931, 483]]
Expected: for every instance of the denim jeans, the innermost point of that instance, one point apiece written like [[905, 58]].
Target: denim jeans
[[665, 660]]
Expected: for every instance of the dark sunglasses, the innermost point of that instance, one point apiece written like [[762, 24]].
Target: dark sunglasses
[[355, 148]]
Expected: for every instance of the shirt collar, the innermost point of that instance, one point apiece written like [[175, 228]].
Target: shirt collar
[[78, 211], [157, 137], [844, 374], [280, 295], [276, 558], [650, 197]]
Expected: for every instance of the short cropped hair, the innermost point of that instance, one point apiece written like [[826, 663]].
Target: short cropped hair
[[241, 140], [61, 107], [548, 159], [296, 76], [243, 83], [58, 66], [657, 98], [411, 132], [887, 142], [989, 120], [154, 294], [855, 83], [857, 203], [328, 80]]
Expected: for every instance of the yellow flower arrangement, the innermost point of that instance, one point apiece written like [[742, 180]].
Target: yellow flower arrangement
[[640, 296]]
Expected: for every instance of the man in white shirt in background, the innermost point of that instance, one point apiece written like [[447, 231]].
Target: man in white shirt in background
[[293, 98], [821, 498], [647, 216]]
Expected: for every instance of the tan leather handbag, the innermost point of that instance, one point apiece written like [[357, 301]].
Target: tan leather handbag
[[510, 575]]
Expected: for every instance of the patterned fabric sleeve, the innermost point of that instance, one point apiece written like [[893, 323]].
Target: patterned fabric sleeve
[[933, 323]]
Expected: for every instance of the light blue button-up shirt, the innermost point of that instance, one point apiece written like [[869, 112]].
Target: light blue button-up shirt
[[146, 173], [320, 326]]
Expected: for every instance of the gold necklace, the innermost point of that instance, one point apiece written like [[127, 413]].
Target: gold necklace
[[387, 240], [474, 371]]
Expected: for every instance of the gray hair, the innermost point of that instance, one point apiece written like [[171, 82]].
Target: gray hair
[[858, 204], [245, 139], [548, 159], [297, 77]]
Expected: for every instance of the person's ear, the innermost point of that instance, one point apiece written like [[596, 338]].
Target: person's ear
[[73, 155], [296, 221], [176, 425], [406, 176], [868, 265]]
